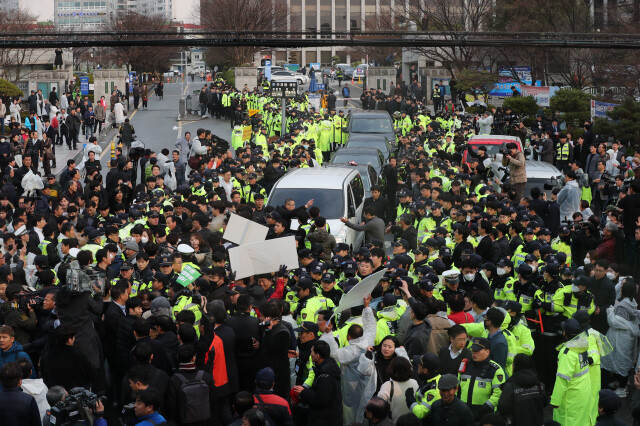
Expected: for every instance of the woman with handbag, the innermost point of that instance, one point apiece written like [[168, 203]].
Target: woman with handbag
[[48, 156]]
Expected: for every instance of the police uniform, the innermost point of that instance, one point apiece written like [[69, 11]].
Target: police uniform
[[480, 382]]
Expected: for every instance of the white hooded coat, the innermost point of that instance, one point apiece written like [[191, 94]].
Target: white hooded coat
[[357, 388]]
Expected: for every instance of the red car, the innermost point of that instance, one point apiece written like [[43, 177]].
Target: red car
[[493, 143]]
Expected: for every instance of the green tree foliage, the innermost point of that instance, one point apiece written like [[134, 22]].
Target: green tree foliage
[[574, 104], [9, 89], [624, 123], [521, 105], [229, 76], [477, 82]]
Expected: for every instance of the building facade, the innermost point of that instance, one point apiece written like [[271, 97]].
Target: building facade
[[324, 18], [82, 15]]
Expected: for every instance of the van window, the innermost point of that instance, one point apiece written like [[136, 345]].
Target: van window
[[352, 207], [358, 190]]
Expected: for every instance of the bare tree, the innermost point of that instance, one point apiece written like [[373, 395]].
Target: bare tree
[[572, 66], [442, 16], [143, 58], [256, 16], [13, 61]]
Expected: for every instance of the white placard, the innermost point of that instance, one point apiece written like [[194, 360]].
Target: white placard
[[263, 257], [242, 231], [359, 292]]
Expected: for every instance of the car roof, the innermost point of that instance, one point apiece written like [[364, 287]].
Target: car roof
[[535, 169], [358, 150], [493, 139], [374, 113], [317, 177]]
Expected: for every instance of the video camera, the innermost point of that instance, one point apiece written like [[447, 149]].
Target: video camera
[[75, 407]]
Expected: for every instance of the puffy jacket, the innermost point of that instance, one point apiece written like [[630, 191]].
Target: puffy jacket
[[517, 167], [523, 399], [324, 398], [14, 353]]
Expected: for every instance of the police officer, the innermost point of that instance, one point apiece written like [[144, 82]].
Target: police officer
[[429, 374], [518, 328], [388, 316], [308, 302], [571, 399], [524, 287], [504, 281], [480, 379], [576, 297], [329, 290]]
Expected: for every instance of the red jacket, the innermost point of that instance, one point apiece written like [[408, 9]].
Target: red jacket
[[461, 317], [607, 250]]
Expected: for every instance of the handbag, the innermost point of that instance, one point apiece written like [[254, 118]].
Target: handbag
[[194, 161]]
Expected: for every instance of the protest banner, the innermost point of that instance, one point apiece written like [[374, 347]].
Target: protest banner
[[188, 275], [359, 292], [263, 257], [243, 231]]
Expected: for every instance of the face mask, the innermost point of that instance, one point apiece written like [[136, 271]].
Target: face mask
[[468, 218], [534, 267], [587, 261], [144, 240], [611, 275], [306, 146], [469, 277], [574, 288], [501, 271]]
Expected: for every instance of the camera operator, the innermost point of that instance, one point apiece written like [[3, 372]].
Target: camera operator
[[18, 313], [585, 237], [517, 169], [600, 187], [73, 408]]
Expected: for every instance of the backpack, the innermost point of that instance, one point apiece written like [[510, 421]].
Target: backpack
[[194, 399]]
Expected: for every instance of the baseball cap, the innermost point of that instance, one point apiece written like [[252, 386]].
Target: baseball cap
[[126, 266], [445, 252], [480, 343], [402, 242], [513, 306], [265, 377], [389, 299], [304, 283], [308, 326], [328, 277], [426, 285], [340, 247]]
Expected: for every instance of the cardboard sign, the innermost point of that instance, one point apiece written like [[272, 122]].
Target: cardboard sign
[[263, 257], [359, 292], [242, 231]]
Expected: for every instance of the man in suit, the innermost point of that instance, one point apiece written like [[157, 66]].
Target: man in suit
[[34, 148], [484, 248], [114, 313]]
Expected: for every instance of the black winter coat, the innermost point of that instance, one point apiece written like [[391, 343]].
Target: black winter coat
[[274, 353], [324, 398], [523, 399]]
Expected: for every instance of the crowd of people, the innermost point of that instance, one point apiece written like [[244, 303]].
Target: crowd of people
[[117, 295]]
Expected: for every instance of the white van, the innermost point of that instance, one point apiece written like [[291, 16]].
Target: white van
[[336, 191]]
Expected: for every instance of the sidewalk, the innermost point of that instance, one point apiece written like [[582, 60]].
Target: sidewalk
[[63, 153]]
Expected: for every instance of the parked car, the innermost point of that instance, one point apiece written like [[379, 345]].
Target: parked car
[[286, 75], [380, 143], [539, 174], [369, 175], [349, 155], [337, 191], [370, 125]]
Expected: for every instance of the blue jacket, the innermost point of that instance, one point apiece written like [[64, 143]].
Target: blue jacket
[[12, 355], [346, 92], [146, 420], [499, 348]]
